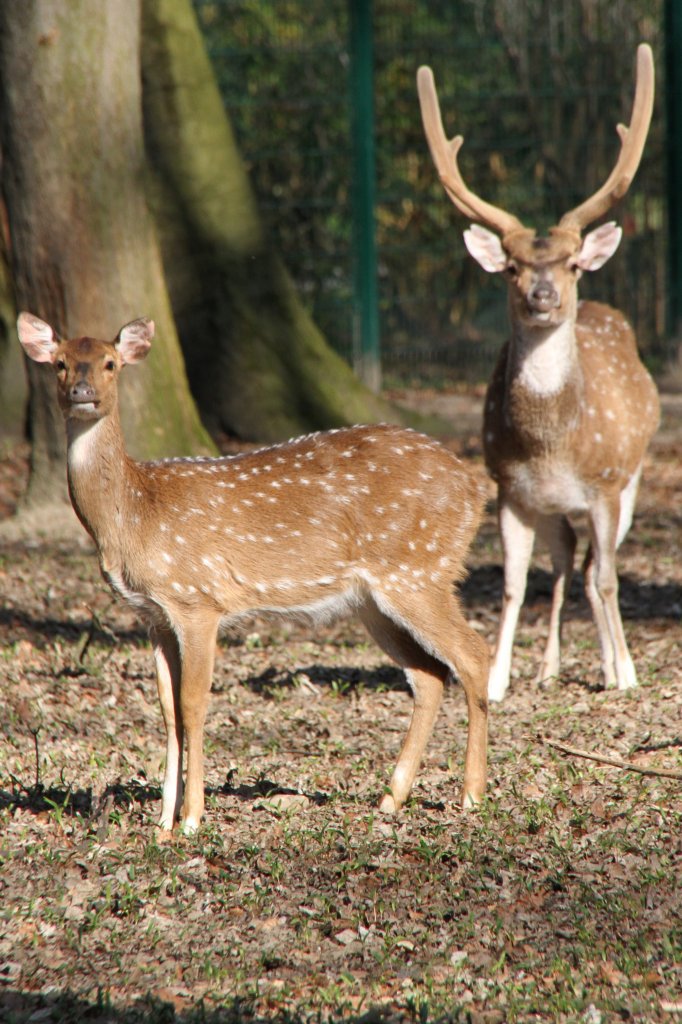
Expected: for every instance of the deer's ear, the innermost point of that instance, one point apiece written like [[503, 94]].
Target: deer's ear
[[599, 246], [135, 339], [486, 248], [37, 338]]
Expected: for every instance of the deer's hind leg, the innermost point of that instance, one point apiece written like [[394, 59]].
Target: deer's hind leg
[[414, 636], [559, 535], [608, 525]]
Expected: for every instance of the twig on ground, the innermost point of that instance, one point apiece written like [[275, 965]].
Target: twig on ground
[[648, 748], [615, 762]]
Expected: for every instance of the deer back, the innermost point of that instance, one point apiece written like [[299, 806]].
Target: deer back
[[305, 523]]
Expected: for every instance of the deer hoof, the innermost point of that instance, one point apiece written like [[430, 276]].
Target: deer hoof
[[189, 826], [388, 804], [469, 800]]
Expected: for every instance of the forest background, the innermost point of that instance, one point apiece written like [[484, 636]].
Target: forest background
[[241, 200]]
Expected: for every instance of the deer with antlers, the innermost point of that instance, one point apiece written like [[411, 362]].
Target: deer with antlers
[[570, 409], [375, 520]]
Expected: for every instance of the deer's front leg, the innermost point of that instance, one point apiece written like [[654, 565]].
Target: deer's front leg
[[518, 534], [167, 658], [197, 646]]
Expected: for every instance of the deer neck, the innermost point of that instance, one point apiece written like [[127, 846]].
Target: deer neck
[[544, 383], [100, 477], [544, 360]]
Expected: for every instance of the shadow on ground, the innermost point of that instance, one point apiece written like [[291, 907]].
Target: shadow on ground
[[18, 1007]]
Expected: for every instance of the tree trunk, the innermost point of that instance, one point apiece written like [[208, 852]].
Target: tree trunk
[[258, 366], [13, 382], [84, 252]]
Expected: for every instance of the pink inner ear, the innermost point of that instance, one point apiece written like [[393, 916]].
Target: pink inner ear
[[37, 338], [134, 340], [486, 249], [599, 246], [132, 350]]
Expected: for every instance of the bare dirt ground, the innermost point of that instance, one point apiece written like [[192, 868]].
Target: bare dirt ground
[[560, 899]]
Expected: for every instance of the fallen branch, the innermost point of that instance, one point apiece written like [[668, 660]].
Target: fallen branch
[[665, 773]]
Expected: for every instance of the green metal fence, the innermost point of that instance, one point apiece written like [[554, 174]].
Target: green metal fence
[[535, 86]]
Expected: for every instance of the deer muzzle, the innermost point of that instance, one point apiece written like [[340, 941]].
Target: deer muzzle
[[82, 393], [543, 297]]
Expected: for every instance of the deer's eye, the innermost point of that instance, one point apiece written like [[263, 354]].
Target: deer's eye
[[511, 269], [110, 365], [60, 365]]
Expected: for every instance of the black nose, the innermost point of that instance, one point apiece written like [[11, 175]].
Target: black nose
[[543, 297], [82, 392]]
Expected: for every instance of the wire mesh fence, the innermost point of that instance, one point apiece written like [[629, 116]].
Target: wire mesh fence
[[536, 87]]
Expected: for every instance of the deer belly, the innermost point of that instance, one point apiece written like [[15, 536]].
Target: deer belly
[[141, 602], [549, 490]]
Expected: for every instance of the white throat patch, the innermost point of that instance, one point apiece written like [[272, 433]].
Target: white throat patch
[[83, 436], [545, 367]]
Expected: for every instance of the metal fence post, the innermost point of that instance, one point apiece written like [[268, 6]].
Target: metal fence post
[[365, 293], [673, 96]]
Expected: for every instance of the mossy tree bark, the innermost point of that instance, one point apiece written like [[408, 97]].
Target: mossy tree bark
[[258, 366], [13, 383], [84, 254]]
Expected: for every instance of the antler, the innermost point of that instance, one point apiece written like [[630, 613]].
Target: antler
[[632, 144], [444, 152]]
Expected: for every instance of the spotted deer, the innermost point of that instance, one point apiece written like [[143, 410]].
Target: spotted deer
[[371, 519], [570, 409]]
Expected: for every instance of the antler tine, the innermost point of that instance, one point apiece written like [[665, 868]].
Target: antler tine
[[632, 144], [444, 152]]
